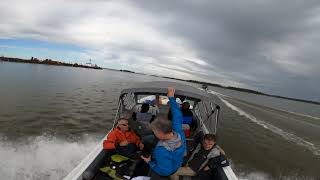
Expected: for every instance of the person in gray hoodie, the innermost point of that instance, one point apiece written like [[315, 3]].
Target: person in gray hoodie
[[199, 158], [168, 154]]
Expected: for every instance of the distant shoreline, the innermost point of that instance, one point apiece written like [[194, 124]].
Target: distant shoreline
[[225, 87], [47, 62], [58, 63], [244, 90]]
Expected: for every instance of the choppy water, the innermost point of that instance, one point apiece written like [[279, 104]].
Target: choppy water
[[51, 117]]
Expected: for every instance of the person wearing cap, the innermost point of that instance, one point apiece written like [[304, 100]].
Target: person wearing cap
[[122, 139]]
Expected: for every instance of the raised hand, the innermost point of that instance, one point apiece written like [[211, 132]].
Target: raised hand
[[171, 91]]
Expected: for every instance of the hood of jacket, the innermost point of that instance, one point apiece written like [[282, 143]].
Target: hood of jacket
[[173, 143]]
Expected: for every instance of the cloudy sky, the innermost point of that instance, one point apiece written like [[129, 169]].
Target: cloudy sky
[[265, 45]]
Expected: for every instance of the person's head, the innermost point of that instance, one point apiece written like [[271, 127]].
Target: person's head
[[150, 102], [145, 107], [209, 140], [161, 127], [185, 105], [123, 124]]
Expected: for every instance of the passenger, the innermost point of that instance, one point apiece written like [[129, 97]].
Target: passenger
[[186, 112], [122, 140], [187, 118], [144, 116], [186, 109], [168, 154], [199, 158], [154, 108]]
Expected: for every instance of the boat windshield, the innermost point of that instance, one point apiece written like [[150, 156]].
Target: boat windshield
[[204, 110], [161, 100]]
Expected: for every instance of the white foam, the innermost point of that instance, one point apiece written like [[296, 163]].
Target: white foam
[[264, 176], [254, 176], [219, 94], [291, 112], [286, 135], [42, 157], [52, 158]]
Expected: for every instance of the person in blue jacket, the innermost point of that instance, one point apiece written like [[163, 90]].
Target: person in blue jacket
[[168, 154]]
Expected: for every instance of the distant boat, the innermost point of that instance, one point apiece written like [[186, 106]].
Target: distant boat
[[204, 87], [205, 114]]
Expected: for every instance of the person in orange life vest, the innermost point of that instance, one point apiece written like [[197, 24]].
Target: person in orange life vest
[[122, 139]]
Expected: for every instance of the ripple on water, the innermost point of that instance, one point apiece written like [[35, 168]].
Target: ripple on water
[[98, 101], [60, 95], [69, 100], [6, 115], [49, 112], [85, 102]]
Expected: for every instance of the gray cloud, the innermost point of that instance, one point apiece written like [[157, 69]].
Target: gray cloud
[[266, 45]]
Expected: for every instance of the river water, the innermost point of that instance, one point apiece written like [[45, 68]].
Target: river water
[[51, 117]]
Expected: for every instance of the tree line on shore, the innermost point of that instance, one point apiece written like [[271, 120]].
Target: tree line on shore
[[46, 61]]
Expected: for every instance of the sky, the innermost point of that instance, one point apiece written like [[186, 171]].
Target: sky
[[265, 45]]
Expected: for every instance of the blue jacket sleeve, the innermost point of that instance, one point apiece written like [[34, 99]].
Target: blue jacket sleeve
[[161, 164], [177, 117]]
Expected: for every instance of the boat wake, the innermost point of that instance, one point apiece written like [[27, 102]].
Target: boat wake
[[286, 135], [286, 111], [51, 158], [263, 176], [42, 157]]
